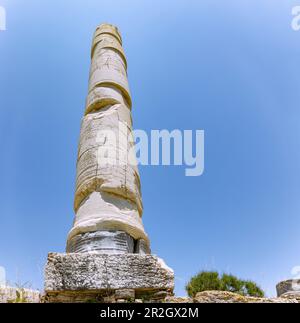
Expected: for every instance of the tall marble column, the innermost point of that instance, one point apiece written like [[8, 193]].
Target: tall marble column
[[108, 251], [108, 202]]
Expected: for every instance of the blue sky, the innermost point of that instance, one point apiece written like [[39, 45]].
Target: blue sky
[[230, 68]]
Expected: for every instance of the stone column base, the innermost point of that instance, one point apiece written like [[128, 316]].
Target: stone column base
[[94, 277], [289, 289]]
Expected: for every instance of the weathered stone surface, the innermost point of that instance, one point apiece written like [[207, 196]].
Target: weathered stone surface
[[126, 294], [104, 242], [121, 301], [103, 160], [19, 295], [109, 65], [288, 288], [176, 299], [227, 297], [160, 295], [107, 247], [108, 190], [291, 295], [142, 247], [104, 96], [107, 29], [112, 75], [83, 276], [104, 211]]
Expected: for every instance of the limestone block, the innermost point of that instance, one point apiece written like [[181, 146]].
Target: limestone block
[[159, 295], [103, 211], [107, 30], [107, 169], [109, 65], [116, 50], [126, 294], [104, 96], [110, 74], [104, 75], [288, 287], [121, 301], [72, 276], [178, 300], [109, 58], [98, 38], [227, 297], [116, 119], [291, 295], [142, 247], [106, 242]]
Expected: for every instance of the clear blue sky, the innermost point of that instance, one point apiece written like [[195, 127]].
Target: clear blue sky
[[229, 67]]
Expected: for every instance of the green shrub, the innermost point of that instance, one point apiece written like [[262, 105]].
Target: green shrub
[[211, 280], [203, 281]]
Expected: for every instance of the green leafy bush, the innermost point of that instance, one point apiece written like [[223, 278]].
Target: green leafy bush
[[211, 280]]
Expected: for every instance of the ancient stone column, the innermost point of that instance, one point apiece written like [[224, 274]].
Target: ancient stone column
[[289, 289], [108, 202], [108, 251]]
